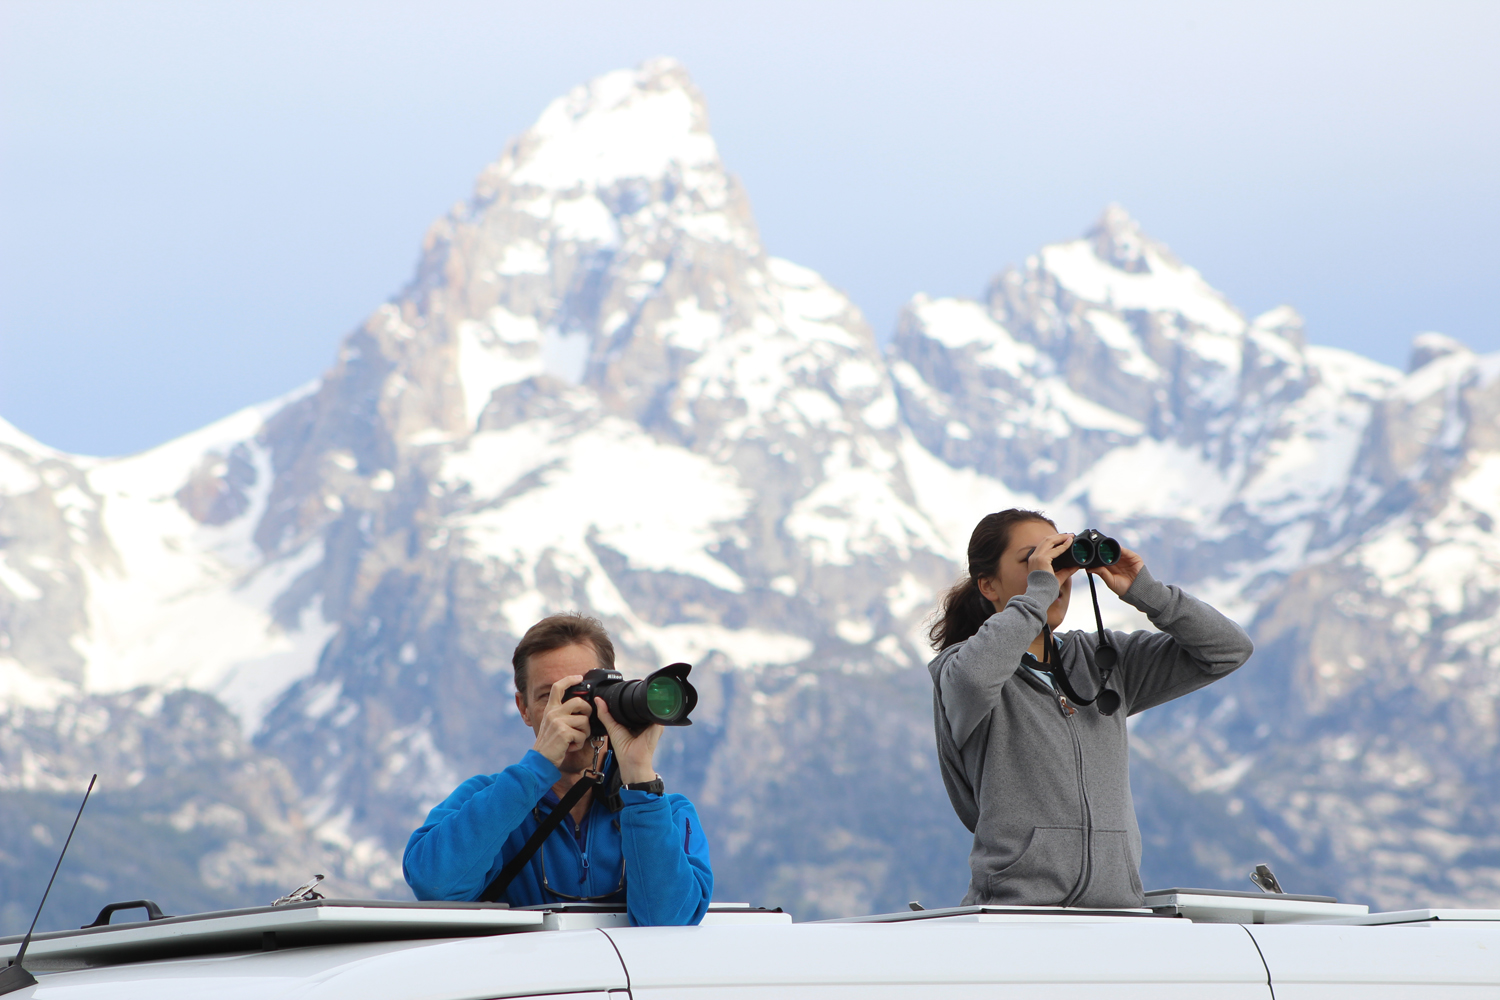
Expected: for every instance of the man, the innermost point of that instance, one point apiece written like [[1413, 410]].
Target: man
[[627, 842]]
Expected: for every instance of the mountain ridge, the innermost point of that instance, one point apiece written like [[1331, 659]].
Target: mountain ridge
[[600, 392]]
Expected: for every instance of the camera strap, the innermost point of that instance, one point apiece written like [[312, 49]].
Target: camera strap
[[592, 778]]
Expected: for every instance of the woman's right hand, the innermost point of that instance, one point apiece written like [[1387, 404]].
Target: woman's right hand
[[1047, 550]]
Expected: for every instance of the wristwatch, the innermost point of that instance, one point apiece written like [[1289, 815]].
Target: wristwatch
[[655, 786]]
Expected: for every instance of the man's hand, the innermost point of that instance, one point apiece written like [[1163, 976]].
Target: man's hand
[[633, 752], [1047, 550], [1119, 576], [565, 724]]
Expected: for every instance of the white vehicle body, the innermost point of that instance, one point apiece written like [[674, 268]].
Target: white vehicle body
[[1191, 944]]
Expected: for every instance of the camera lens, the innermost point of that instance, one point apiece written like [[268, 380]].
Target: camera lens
[[664, 698]]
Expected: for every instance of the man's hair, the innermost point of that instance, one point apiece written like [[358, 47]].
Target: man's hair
[[557, 631]]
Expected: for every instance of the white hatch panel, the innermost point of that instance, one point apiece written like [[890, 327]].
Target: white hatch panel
[[264, 928], [1228, 907], [581, 964]]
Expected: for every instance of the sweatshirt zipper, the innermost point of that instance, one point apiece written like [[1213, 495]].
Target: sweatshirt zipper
[[584, 854], [1085, 873]]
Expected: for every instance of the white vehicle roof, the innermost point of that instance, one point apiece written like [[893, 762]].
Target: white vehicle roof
[[468, 951]]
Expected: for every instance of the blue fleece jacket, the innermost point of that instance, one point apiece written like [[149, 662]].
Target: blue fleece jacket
[[655, 841]]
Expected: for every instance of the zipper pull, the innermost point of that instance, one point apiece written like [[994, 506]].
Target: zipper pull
[[584, 875], [1062, 702]]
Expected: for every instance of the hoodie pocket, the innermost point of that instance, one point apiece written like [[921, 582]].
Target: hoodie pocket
[[1045, 873], [1114, 879]]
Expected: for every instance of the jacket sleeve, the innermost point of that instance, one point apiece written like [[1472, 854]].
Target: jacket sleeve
[[448, 856], [970, 678], [1196, 645], [669, 880]]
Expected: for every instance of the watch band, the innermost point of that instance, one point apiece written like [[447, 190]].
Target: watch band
[[655, 786]]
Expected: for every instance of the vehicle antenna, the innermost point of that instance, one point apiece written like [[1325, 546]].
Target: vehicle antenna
[[13, 977]]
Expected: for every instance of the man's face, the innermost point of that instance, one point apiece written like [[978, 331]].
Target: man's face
[[544, 670], [1011, 575]]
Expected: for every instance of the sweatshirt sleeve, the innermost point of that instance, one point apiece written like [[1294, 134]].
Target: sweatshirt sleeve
[[669, 878], [448, 856], [970, 678], [1196, 645]]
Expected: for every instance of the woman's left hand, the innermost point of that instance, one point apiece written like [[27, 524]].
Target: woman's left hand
[[1119, 576]]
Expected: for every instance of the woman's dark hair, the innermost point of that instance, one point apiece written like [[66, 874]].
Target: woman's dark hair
[[964, 607]]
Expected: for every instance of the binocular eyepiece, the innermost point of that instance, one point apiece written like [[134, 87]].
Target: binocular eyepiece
[[664, 698], [1090, 550]]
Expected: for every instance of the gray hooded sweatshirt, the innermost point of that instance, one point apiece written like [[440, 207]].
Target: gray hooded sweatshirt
[[1045, 784]]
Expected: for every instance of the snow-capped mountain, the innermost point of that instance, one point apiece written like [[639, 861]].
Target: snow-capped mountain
[[1342, 510], [599, 392]]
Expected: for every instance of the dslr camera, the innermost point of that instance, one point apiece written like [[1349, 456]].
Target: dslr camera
[[664, 698]]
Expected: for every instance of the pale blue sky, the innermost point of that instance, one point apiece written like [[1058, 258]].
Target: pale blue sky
[[197, 200]]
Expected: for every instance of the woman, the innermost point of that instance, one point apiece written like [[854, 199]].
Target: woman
[[1042, 780]]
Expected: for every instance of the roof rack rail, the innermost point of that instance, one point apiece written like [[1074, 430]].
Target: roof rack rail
[[324, 921]]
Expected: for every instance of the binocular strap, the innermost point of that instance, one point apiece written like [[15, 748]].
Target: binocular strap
[[1105, 656]]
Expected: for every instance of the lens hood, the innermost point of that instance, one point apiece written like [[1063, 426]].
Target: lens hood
[[662, 698]]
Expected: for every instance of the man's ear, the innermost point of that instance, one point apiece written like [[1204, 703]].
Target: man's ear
[[521, 707]]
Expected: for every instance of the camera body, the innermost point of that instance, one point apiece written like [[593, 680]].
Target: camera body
[[1091, 549], [662, 698]]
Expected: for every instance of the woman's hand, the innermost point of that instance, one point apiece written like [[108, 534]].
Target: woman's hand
[[633, 751], [1122, 573], [1048, 549]]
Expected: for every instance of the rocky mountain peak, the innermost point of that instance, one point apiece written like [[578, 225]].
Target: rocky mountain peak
[[1119, 241], [1428, 347], [12, 436], [646, 123], [601, 393]]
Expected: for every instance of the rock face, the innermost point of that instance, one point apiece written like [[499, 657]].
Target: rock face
[[599, 392]]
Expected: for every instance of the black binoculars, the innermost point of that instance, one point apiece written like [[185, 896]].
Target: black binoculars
[[1090, 550]]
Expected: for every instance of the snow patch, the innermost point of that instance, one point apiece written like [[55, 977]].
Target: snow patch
[[16, 477], [854, 513], [1480, 486], [856, 633], [1117, 335], [1153, 479], [524, 257], [691, 327], [566, 355], [586, 220], [503, 350], [19, 687], [960, 323], [614, 129], [744, 648], [954, 500], [1165, 287], [17, 583], [660, 506]]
